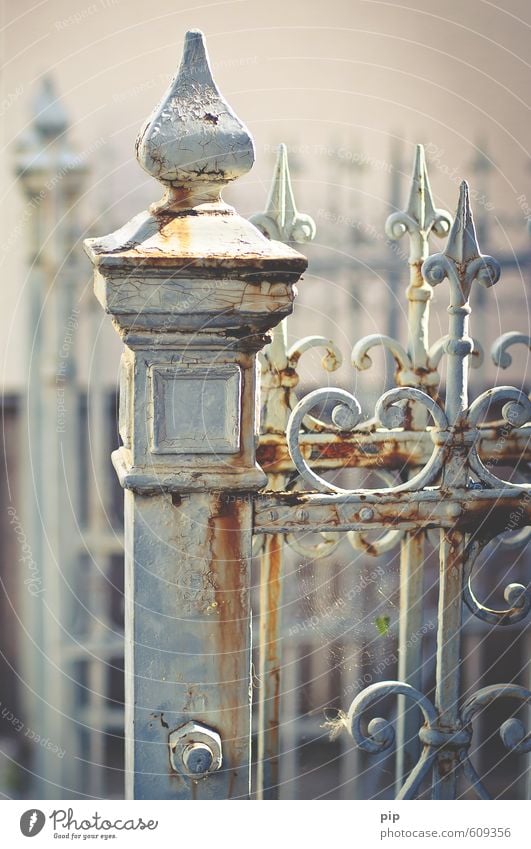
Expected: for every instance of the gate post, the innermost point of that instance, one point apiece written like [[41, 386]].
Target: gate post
[[51, 174], [193, 290]]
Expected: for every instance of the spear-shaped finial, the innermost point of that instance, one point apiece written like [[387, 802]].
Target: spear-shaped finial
[[193, 142], [281, 220], [462, 244], [421, 217], [462, 261]]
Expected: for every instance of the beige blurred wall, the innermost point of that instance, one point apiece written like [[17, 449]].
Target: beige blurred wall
[[314, 74]]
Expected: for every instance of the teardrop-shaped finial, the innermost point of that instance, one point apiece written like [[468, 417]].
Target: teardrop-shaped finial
[[193, 142], [462, 242]]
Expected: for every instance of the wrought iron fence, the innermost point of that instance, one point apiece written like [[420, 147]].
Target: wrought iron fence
[[193, 290], [455, 469]]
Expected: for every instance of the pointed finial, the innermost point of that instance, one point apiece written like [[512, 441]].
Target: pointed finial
[[281, 220], [462, 245], [462, 261], [193, 142], [44, 149], [421, 217], [50, 117]]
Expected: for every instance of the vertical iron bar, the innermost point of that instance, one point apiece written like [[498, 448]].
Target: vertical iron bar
[[419, 293], [448, 676], [270, 641], [283, 222], [409, 650], [275, 414]]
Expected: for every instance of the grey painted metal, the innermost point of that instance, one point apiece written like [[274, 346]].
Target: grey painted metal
[[419, 221], [281, 220], [193, 290], [466, 499], [51, 175]]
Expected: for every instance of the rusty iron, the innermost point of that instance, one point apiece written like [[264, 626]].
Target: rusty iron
[[456, 490]]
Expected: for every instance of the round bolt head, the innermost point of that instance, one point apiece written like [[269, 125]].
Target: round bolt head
[[195, 750], [197, 758], [366, 514]]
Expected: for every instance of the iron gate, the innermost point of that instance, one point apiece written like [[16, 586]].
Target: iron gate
[[194, 290]]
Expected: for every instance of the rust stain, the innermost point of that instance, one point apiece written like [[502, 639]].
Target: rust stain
[[229, 576], [272, 586], [176, 230], [342, 452]]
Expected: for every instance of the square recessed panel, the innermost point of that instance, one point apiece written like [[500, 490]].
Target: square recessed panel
[[196, 409]]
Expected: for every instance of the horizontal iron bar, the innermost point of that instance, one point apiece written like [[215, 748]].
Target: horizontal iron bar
[[384, 449], [469, 510]]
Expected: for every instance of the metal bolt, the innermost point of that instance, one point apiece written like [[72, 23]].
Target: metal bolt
[[366, 514], [197, 758], [273, 515], [454, 510], [303, 515], [195, 750]]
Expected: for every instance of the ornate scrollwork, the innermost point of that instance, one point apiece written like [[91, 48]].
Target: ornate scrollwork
[[441, 491], [331, 361], [437, 739], [512, 732], [516, 412], [500, 349], [461, 263], [328, 543], [517, 596], [518, 539], [346, 416], [380, 735], [405, 373]]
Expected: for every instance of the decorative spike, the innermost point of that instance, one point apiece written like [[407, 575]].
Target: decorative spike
[[462, 243], [193, 142], [420, 192], [281, 201], [421, 217], [50, 117], [462, 261], [281, 220]]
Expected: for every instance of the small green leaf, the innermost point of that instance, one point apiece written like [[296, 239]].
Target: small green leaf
[[382, 624]]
